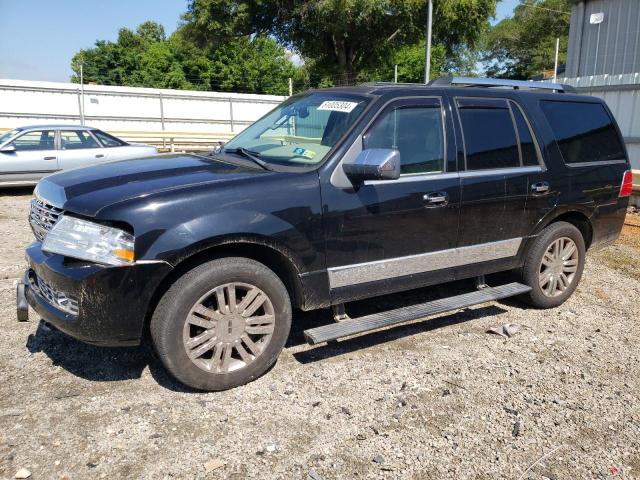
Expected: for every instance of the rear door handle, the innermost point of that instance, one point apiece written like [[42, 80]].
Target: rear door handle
[[49, 158], [540, 187], [436, 199], [100, 155]]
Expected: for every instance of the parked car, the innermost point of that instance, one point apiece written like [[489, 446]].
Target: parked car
[[28, 154], [336, 195]]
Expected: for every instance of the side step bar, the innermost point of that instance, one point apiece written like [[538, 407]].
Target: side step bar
[[375, 321]]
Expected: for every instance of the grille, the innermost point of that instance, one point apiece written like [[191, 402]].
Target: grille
[[43, 217], [53, 297]]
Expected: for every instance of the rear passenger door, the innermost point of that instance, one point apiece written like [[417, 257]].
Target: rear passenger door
[[502, 178], [79, 148], [541, 189], [490, 152]]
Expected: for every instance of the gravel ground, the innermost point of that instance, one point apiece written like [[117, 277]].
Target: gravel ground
[[429, 400]]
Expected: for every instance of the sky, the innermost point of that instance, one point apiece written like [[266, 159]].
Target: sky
[[39, 37]]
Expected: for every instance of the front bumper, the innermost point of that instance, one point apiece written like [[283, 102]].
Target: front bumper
[[109, 304]]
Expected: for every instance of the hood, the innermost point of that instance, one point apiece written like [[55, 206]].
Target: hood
[[87, 190]]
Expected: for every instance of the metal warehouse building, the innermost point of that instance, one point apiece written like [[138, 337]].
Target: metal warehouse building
[[603, 60]]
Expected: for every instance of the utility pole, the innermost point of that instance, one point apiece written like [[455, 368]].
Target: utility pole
[[290, 86], [427, 55], [395, 74], [596, 19], [81, 95], [555, 65]]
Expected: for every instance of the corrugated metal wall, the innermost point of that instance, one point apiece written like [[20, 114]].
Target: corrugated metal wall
[[615, 50]]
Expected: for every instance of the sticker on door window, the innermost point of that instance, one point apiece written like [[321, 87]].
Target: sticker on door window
[[338, 106]]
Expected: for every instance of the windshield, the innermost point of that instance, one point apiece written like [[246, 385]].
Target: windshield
[[301, 130], [6, 136]]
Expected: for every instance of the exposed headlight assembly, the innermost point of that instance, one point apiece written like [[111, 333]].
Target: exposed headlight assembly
[[90, 241]]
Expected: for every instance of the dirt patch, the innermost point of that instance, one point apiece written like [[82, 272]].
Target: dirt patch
[[429, 400], [630, 234]]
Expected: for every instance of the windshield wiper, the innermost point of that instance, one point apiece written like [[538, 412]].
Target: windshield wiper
[[253, 156]]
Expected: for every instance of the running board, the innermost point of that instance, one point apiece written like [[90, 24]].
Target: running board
[[375, 321]]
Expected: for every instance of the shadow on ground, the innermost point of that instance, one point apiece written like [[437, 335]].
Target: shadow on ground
[[16, 191], [100, 364], [108, 364]]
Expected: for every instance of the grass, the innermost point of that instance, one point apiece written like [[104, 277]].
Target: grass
[[622, 262]]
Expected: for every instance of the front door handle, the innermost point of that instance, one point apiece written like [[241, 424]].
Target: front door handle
[[49, 158], [540, 187], [436, 199], [100, 155]]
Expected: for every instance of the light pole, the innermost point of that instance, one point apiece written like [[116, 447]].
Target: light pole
[[81, 95], [596, 19], [555, 64], [427, 53]]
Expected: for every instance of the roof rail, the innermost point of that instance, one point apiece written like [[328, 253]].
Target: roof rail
[[391, 84], [498, 82]]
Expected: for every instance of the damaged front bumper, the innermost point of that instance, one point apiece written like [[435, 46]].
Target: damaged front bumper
[[98, 304]]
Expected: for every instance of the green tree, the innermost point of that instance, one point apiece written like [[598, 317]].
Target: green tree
[[147, 58], [340, 39], [522, 46]]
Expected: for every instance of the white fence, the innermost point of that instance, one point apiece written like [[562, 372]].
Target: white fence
[[170, 118]]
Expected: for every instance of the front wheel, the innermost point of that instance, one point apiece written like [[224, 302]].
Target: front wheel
[[222, 324], [553, 265]]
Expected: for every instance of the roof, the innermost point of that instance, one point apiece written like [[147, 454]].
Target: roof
[[55, 126], [456, 83]]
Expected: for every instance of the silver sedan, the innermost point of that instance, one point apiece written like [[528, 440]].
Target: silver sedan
[[29, 153]]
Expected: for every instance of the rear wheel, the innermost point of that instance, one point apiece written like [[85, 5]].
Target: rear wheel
[[553, 265], [222, 324]]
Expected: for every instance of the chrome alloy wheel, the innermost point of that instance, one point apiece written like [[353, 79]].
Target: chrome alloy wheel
[[558, 267], [228, 327]]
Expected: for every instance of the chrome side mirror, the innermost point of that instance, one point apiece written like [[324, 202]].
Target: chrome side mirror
[[374, 164]]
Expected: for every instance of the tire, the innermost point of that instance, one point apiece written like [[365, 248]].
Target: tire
[[557, 237], [206, 342]]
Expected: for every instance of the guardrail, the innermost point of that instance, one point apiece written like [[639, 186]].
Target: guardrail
[[176, 141]]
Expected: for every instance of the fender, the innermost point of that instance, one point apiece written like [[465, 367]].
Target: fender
[[560, 210], [231, 226]]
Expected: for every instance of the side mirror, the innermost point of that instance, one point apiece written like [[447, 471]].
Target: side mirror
[[8, 149], [374, 164]]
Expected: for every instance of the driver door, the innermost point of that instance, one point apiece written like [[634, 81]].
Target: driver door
[[34, 156], [389, 235]]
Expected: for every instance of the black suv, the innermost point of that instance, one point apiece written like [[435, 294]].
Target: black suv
[[335, 195]]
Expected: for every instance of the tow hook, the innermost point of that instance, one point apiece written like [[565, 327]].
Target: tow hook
[[22, 307]]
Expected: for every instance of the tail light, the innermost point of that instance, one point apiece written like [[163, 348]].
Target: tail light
[[627, 184]]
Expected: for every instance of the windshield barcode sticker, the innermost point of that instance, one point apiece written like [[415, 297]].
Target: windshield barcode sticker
[[338, 106]]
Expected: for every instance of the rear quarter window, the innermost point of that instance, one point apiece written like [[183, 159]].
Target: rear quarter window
[[584, 131]]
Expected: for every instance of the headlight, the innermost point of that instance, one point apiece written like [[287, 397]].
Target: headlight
[[77, 238]]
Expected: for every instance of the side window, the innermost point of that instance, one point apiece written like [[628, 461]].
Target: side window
[[108, 140], [416, 131], [76, 139], [527, 146], [488, 132], [35, 140], [584, 131]]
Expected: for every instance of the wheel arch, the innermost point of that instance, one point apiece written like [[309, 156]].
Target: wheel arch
[[579, 220], [273, 256]]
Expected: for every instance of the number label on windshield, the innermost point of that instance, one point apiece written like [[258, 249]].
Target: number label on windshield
[[338, 106]]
